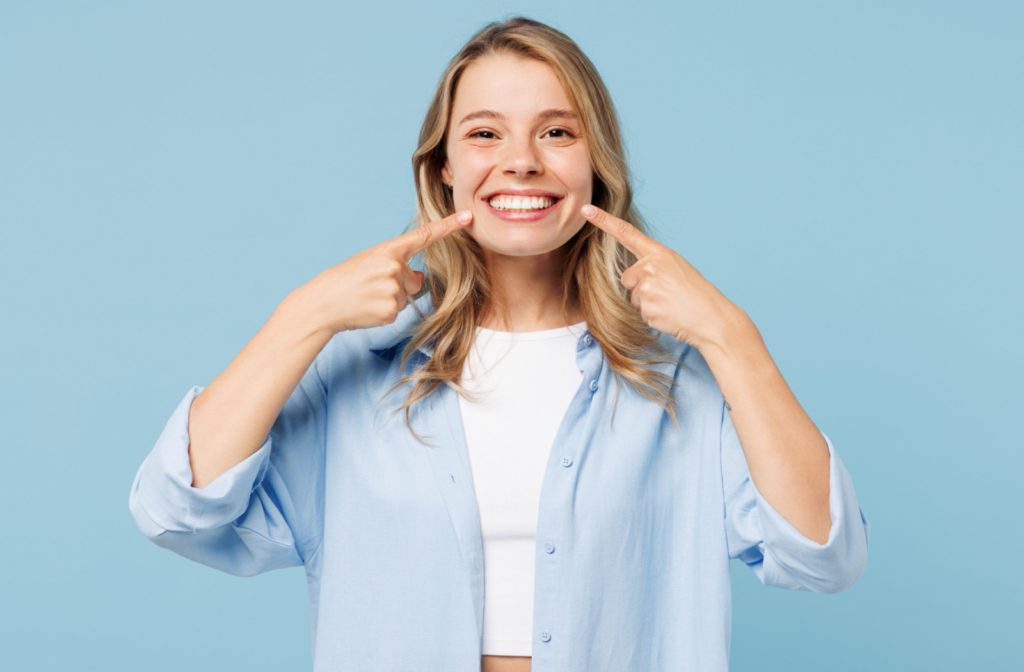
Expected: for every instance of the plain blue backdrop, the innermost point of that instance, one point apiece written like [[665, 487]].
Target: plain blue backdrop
[[848, 173]]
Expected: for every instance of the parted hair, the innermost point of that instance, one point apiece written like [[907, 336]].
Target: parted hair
[[455, 274]]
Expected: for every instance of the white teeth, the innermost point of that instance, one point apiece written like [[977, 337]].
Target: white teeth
[[504, 202]]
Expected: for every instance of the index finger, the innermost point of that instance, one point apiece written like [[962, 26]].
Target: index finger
[[619, 229], [410, 243]]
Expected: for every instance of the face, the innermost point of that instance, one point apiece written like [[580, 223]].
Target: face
[[503, 139]]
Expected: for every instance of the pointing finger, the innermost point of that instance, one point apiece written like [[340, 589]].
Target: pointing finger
[[412, 242], [619, 229]]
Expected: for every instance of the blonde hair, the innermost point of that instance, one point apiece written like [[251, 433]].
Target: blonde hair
[[455, 274]]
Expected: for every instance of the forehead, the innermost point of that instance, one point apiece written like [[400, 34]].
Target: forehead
[[510, 84]]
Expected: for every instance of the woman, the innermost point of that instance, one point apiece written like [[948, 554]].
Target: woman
[[606, 543]]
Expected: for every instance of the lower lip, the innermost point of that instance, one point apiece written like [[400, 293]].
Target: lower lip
[[524, 216]]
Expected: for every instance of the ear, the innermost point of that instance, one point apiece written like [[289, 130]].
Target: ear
[[446, 173]]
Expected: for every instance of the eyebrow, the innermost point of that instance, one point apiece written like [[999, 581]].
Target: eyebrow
[[553, 113]]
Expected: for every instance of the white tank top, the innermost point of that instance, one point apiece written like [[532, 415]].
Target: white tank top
[[525, 381]]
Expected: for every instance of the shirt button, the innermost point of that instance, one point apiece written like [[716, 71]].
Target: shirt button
[[546, 636], [588, 340], [593, 385], [566, 461], [549, 547]]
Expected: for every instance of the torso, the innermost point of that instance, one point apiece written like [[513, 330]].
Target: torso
[[505, 664]]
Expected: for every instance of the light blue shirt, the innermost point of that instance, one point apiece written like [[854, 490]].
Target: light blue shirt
[[637, 518]]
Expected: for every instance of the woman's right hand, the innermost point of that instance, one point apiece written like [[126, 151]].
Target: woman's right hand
[[371, 287]]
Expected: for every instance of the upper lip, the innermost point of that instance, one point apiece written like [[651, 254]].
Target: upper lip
[[522, 192]]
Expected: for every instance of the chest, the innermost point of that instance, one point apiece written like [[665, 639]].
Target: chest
[[515, 396]]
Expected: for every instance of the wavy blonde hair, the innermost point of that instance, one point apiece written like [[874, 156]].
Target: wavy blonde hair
[[455, 274]]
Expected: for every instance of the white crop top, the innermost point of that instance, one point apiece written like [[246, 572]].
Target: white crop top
[[525, 381]]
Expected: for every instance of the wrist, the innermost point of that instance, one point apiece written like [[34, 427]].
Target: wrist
[[301, 310], [735, 332]]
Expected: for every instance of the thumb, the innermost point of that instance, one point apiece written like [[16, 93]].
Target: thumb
[[413, 282]]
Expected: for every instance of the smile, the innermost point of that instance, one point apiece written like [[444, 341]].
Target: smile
[[519, 209]]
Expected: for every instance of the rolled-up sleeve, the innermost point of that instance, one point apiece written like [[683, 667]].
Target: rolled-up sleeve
[[777, 552], [263, 513]]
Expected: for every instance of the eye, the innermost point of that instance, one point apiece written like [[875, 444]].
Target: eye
[[561, 133], [566, 133]]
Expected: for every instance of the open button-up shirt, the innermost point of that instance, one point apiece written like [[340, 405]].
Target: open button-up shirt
[[638, 518]]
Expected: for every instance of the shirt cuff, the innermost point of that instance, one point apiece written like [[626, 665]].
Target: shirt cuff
[[162, 496], [792, 559]]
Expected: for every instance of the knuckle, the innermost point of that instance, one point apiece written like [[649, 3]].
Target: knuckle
[[424, 234], [388, 310]]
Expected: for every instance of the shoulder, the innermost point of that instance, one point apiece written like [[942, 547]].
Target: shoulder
[[692, 375], [356, 347]]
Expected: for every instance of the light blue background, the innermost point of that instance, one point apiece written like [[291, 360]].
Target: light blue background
[[848, 173]]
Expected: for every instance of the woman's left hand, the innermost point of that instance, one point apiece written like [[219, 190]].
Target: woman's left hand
[[672, 295]]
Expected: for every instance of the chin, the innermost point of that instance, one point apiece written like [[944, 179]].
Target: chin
[[518, 246]]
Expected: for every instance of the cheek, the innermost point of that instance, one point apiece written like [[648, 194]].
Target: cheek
[[576, 173], [466, 164]]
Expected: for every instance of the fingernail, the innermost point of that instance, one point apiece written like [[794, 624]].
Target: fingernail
[[463, 216], [589, 210]]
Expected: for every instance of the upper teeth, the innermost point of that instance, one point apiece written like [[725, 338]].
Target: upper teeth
[[505, 202]]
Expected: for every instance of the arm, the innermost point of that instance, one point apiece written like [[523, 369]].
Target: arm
[[785, 451], [230, 419], [814, 539], [775, 471], [236, 478], [260, 504]]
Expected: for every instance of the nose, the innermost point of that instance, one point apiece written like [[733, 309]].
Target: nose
[[521, 158]]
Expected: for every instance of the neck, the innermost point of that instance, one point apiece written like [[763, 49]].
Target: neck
[[527, 293]]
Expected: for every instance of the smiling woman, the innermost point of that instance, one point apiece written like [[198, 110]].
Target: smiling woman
[[568, 485], [523, 132], [508, 133], [517, 155]]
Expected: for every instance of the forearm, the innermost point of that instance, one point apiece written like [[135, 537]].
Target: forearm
[[230, 419], [785, 452]]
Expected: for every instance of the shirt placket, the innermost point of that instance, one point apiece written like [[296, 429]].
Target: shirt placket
[[554, 561]]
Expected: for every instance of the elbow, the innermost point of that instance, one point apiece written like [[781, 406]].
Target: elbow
[[824, 568]]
